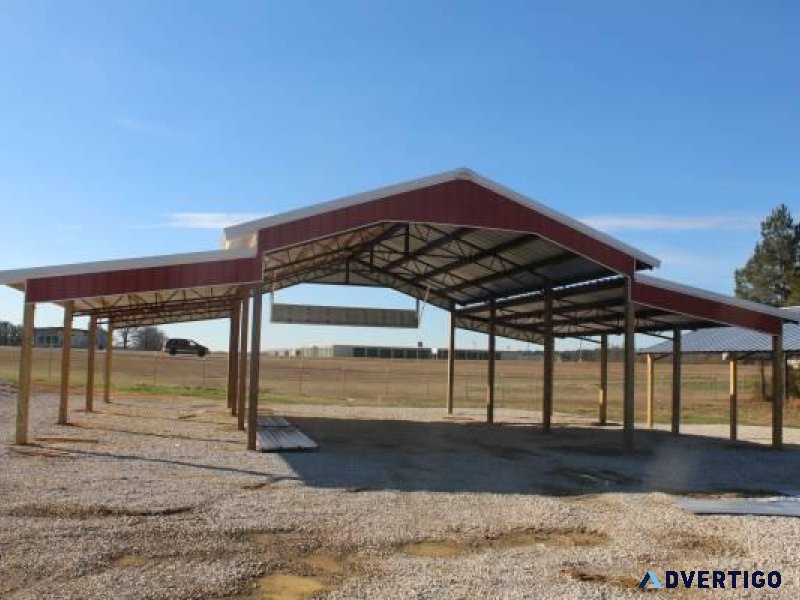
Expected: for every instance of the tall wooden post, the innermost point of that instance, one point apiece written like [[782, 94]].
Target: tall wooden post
[[233, 358], [242, 392], [90, 354], [676, 381], [451, 360], [490, 374], [25, 360], [778, 392], [549, 362], [109, 358], [651, 396], [603, 414], [628, 393], [66, 350], [255, 363], [733, 399]]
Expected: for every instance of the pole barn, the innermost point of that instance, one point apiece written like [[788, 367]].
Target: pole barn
[[501, 263]]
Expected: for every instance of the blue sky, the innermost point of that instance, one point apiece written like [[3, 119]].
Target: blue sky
[[129, 129]]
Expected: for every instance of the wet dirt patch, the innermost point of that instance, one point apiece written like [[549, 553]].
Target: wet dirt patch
[[254, 485], [67, 440], [600, 450], [286, 587], [507, 452], [707, 545], [325, 562], [40, 452], [434, 549], [563, 537], [76, 511], [305, 574], [520, 538], [621, 581], [595, 479], [129, 560]]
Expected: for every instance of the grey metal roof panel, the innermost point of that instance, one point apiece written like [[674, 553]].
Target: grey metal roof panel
[[729, 339]]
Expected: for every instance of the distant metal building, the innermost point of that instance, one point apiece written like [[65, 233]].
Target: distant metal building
[[735, 340], [395, 352]]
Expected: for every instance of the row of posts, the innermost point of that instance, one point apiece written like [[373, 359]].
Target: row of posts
[[778, 375], [238, 369]]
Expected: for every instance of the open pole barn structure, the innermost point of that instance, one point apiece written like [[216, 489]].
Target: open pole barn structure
[[735, 344], [500, 263]]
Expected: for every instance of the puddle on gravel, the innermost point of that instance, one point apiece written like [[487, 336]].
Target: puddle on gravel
[[436, 549]]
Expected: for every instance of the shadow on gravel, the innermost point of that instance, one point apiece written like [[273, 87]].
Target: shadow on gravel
[[362, 455]]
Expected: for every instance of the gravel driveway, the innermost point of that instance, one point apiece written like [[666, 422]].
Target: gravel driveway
[[158, 499]]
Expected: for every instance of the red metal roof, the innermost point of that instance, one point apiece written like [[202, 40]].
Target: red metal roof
[[454, 239]]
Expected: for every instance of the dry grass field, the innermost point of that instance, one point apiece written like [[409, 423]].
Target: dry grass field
[[410, 383]]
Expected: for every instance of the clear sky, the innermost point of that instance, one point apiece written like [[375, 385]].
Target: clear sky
[[129, 129]]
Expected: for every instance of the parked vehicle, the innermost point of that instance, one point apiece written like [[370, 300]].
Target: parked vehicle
[[181, 346]]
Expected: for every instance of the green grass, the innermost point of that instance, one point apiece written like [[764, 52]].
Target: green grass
[[212, 393]]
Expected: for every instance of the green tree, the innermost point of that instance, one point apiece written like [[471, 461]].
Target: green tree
[[771, 275]]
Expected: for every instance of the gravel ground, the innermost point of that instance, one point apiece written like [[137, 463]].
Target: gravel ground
[[158, 499]]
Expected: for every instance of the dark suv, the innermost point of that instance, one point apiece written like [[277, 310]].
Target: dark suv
[[180, 346]]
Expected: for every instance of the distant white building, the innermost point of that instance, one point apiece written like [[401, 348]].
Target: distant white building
[[393, 352]]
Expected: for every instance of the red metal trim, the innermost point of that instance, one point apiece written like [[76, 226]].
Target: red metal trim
[[460, 203], [704, 308], [224, 272]]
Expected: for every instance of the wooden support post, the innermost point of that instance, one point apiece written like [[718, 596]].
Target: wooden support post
[[490, 374], [778, 392], [628, 393], [109, 357], [233, 358], [451, 360], [255, 363], [549, 362], [25, 363], [651, 397], [676, 381], [90, 354], [66, 350], [603, 413], [241, 394], [733, 399]]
